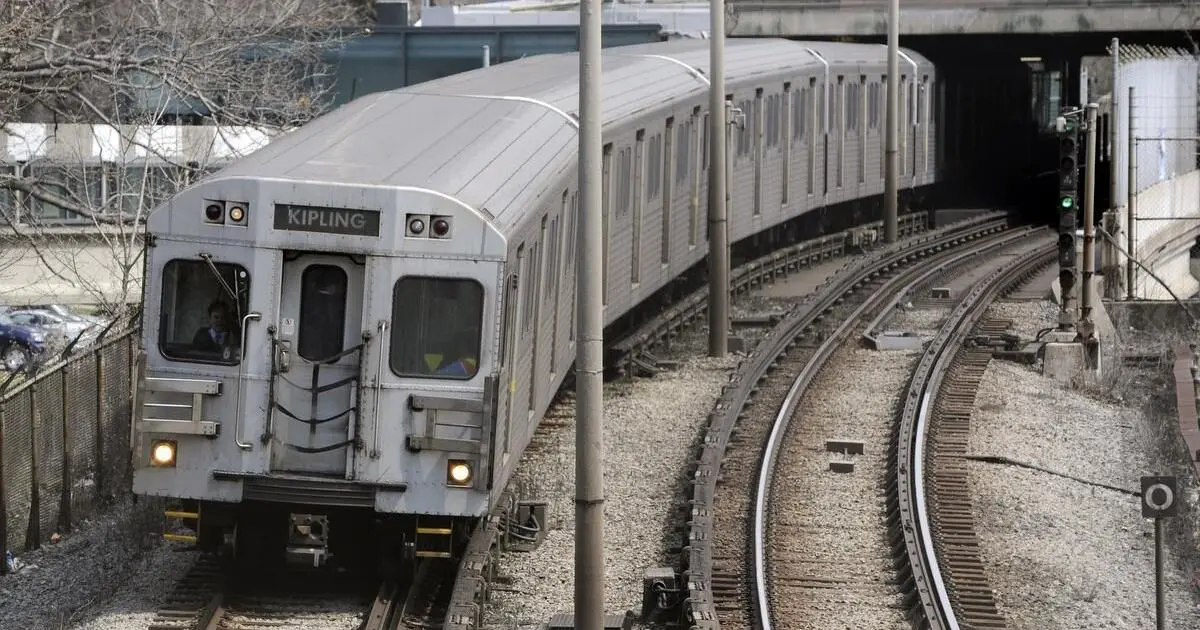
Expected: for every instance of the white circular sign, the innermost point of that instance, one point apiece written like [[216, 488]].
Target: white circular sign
[[1168, 497]]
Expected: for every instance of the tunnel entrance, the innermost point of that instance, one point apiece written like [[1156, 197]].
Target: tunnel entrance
[[1000, 95]]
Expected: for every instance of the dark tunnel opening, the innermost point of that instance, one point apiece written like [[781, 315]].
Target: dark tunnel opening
[[999, 96]]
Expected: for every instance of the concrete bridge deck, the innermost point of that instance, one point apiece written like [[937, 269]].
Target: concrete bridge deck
[[810, 18]]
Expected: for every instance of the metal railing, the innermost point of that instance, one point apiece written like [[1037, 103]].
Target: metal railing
[[64, 438]]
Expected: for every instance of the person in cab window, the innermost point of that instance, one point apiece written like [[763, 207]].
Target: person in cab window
[[462, 363], [218, 334]]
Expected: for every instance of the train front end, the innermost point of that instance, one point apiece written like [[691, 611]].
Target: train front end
[[318, 374]]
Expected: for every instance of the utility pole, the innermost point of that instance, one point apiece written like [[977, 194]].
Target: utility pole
[[1086, 328], [589, 370], [718, 235], [1130, 205], [891, 199], [1111, 257]]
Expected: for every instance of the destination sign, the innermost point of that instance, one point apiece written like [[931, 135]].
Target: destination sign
[[326, 220]]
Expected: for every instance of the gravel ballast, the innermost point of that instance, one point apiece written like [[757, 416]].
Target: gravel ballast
[[1062, 553], [93, 575], [649, 428]]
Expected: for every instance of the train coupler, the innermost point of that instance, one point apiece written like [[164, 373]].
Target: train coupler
[[308, 540]]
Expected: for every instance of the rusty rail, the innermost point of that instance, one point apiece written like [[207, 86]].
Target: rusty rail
[[1187, 373]]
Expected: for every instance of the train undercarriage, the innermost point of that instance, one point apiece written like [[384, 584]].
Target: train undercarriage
[[314, 537]]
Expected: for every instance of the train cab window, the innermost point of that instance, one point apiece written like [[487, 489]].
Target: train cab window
[[202, 307], [322, 324], [437, 325]]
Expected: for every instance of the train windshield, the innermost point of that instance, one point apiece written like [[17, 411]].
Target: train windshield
[[202, 305], [436, 327]]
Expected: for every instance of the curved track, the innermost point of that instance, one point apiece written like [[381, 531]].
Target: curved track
[[933, 527], [719, 540]]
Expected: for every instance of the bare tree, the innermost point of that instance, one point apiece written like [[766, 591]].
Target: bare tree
[[102, 71]]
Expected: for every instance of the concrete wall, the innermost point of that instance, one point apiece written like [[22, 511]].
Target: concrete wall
[[1163, 244], [75, 267], [1166, 107]]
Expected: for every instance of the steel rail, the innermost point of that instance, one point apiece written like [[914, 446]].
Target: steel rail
[[801, 384], [933, 604], [697, 557]]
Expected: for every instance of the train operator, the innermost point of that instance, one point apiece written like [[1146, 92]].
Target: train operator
[[217, 334]]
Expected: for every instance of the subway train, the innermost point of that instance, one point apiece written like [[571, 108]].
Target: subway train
[[351, 334]]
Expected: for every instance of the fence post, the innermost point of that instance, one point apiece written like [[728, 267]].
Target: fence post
[[100, 399], [64, 508], [3, 500], [33, 534]]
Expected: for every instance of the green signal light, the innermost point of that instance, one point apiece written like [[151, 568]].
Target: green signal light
[[1067, 202]]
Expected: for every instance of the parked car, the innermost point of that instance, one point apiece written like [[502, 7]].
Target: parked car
[[19, 343], [66, 328]]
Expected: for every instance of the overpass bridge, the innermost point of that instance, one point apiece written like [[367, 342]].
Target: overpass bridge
[[860, 18]]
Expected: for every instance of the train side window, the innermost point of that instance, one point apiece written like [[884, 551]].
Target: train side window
[[437, 324], [201, 311], [322, 324]]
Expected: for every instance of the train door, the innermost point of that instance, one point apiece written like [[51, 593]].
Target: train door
[[513, 306], [317, 365]]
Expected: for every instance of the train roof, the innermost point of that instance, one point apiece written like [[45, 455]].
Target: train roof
[[496, 138]]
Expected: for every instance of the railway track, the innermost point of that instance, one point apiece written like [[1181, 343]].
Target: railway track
[[932, 527], [208, 598], [721, 589]]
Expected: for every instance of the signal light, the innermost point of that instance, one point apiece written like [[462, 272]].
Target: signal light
[[1067, 202], [1066, 280]]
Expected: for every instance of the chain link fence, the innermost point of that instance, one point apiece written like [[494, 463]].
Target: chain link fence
[[64, 439], [1164, 209]]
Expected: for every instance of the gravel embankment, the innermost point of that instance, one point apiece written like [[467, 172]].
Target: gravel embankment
[[649, 428], [831, 564], [649, 432], [94, 577], [1062, 553]]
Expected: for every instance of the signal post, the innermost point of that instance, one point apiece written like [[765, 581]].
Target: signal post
[[1075, 345]]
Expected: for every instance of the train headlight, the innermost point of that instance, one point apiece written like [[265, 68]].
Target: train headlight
[[459, 473], [162, 454], [416, 226], [236, 214]]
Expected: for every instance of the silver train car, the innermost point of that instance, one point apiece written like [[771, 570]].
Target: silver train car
[[352, 334]]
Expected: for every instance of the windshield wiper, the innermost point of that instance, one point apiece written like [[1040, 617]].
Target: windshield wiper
[[224, 285]]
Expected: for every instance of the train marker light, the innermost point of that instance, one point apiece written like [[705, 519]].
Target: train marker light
[[162, 454], [458, 473], [214, 213], [441, 227]]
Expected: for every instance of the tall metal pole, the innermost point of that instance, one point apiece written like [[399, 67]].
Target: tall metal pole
[[589, 370], [1089, 224], [718, 237], [891, 199], [1113, 126], [1111, 261], [1130, 204], [1160, 604]]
